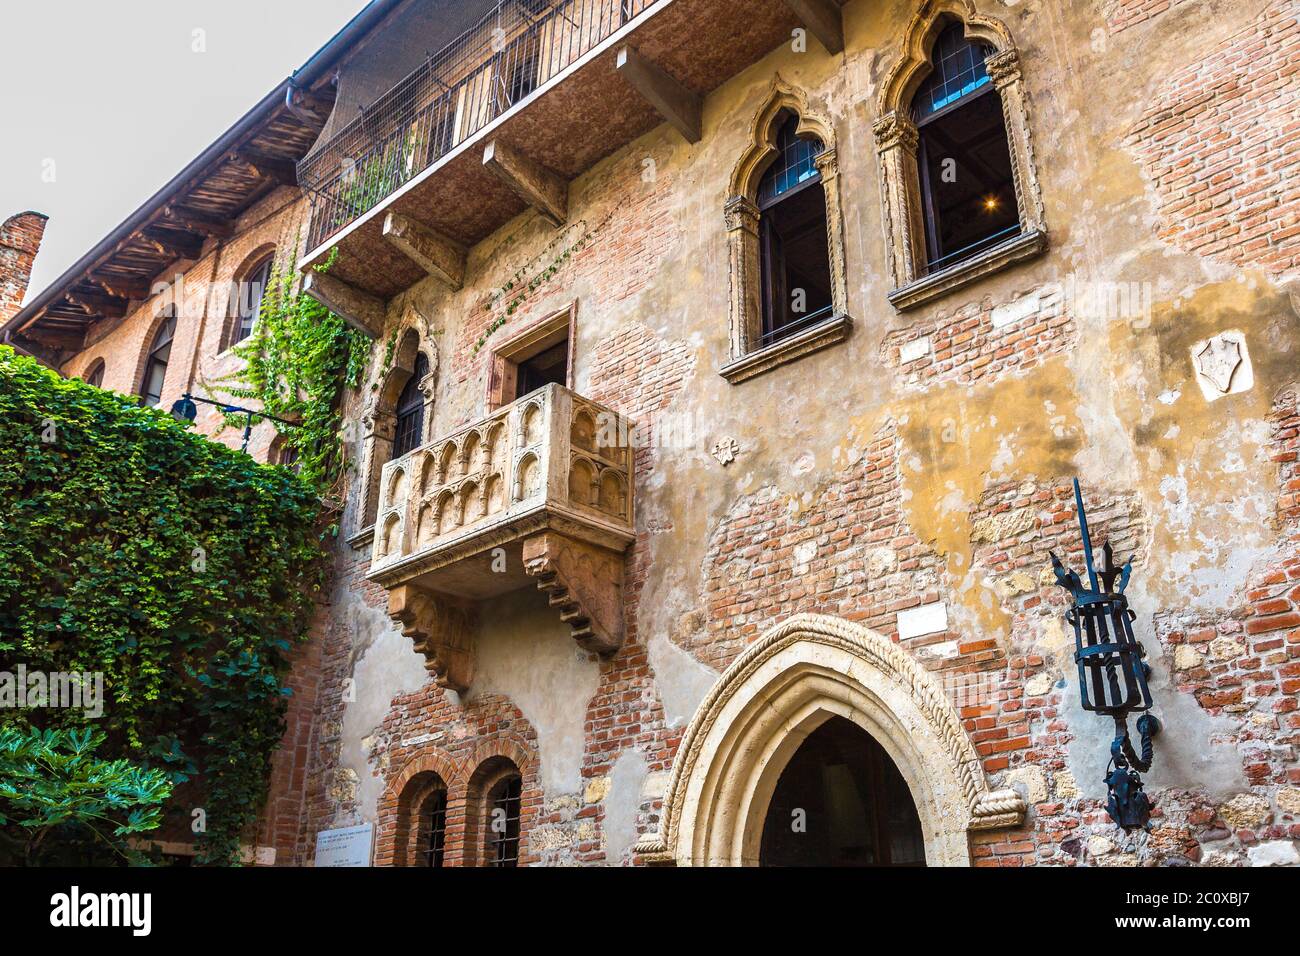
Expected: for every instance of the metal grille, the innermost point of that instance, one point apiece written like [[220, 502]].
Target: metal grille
[[503, 823], [958, 71], [435, 828], [410, 411], [495, 64]]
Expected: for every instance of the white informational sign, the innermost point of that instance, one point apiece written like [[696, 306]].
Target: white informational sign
[[347, 847]]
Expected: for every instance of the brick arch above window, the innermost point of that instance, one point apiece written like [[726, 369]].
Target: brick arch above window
[[897, 140], [749, 354]]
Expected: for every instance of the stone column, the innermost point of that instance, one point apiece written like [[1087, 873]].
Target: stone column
[[900, 193], [742, 251], [1004, 70]]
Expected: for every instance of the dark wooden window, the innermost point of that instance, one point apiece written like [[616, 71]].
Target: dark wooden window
[[503, 822], [96, 375], [841, 801], [968, 192], [544, 368], [155, 365], [250, 294], [410, 410], [287, 455], [795, 266], [433, 826]]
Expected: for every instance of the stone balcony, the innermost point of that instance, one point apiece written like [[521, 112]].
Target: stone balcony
[[537, 493]]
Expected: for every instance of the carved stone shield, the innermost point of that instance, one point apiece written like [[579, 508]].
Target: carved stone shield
[[1218, 361]]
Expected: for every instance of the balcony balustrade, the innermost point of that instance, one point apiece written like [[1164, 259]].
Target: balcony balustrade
[[540, 491]]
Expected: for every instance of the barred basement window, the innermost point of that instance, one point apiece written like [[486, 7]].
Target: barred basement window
[[433, 827], [410, 410], [503, 822], [155, 366]]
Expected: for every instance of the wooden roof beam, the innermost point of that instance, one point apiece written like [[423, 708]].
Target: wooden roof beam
[[172, 247], [120, 288], [679, 106], [427, 248], [532, 182], [822, 18], [98, 305], [196, 222], [282, 172]]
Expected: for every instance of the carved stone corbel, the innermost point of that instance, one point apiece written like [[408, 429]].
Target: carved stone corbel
[[441, 631], [585, 582]]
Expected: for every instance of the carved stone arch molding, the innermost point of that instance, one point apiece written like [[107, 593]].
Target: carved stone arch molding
[[896, 151], [798, 675], [741, 215], [379, 420]]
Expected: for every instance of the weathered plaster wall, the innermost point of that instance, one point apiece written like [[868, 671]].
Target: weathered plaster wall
[[922, 464], [926, 460]]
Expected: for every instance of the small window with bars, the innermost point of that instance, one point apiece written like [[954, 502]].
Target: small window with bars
[[433, 827], [503, 822], [410, 410]]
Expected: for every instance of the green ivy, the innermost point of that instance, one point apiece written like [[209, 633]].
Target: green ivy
[[295, 365], [179, 569]]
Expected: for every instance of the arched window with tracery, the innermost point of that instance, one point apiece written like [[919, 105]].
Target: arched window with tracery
[[785, 239], [960, 189], [95, 376]]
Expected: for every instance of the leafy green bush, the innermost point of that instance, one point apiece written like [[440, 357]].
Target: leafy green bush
[[54, 791], [179, 569], [295, 365]]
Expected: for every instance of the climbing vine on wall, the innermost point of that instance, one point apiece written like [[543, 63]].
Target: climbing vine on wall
[[180, 570], [296, 364]]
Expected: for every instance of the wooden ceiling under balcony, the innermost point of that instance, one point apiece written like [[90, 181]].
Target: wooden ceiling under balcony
[[567, 126]]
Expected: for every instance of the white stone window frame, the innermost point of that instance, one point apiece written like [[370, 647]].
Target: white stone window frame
[[897, 139], [747, 357]]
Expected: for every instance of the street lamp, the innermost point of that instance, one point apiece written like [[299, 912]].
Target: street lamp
[[1112, 673], [185, 410]]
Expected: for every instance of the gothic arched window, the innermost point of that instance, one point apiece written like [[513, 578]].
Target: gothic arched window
[[960, 189], [968, 189], [410, 410], [794, 259]]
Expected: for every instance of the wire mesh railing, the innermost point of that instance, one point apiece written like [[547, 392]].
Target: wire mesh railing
[[494, 65]]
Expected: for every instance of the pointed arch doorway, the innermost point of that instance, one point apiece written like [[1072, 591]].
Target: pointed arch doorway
[[751, 726], [841, 802]]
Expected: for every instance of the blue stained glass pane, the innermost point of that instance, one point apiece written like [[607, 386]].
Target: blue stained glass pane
[[959, 71], [793, 165]]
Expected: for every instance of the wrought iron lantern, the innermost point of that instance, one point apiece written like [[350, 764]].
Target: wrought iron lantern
[[185, 410], [1112, 673]]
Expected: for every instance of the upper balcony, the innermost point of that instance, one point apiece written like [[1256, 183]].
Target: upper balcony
[[540, 491], [504, 117]]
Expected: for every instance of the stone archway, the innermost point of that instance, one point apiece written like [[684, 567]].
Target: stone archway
[[782, 688]]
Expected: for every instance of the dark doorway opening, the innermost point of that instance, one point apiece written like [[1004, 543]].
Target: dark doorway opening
[[841, 802], [547, 367]]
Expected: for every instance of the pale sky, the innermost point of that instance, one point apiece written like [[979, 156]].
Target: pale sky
[[112, 98]]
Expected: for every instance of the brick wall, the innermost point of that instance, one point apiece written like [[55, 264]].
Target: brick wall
[[1122, 14], [1220, 143], [20, 240]]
